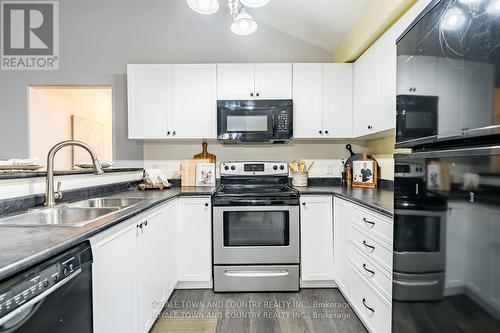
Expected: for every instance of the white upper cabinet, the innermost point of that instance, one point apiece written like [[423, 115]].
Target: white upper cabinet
[[322, 96], [149, 101], [235, 81], [385, 65], [365, 94], [418, 76], [172, 101], [254, 81], [316, 230], [307, 101], [337, 100], [194, 101], [273, 81]]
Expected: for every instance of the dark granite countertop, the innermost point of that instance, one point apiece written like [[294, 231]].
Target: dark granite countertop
[[33, 174], [22, 247], [379, 200]]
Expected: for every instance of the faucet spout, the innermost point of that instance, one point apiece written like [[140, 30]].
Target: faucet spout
[[50, 194]]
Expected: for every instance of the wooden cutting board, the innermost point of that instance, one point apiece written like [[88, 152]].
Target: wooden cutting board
[[188, 171], [205, 155]]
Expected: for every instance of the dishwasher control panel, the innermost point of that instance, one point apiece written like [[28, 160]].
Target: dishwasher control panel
[[36, 281]]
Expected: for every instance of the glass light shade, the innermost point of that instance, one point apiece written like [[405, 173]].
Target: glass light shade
[[243, 24], [205, 7], [453, 19], [494, 8], [254, 3]]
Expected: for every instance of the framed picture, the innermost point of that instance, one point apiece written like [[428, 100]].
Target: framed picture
[[364, 173], [438, 176], [205, 174]]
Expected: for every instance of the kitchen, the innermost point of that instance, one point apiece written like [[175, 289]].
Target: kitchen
[[347, 178]]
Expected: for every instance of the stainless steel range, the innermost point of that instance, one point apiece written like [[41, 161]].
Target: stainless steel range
[[256, 228]]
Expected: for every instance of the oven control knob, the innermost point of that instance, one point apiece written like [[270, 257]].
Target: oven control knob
[[46, 283], [275, 167], [66, 271], [282, 167], [233, 167], [226, 168]]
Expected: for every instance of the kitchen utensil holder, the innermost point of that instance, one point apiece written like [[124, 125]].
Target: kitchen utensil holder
[[300, 178]]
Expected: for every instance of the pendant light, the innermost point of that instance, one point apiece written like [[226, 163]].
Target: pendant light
[[243, 24], [205, 7]]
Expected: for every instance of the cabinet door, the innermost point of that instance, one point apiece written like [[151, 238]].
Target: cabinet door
[[424, 75], [341, 222], [235, 81], [171, 253], [149, 101], [195, 234], [308, 101], [450, 84], [316, 238], [194, 101], [385, 58], [337, 100], [273, 81], [114, 283], [152, 268], [404, 75], [365, 93]]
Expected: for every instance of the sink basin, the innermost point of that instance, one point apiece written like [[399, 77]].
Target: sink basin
[[64, 216], [107, 202]]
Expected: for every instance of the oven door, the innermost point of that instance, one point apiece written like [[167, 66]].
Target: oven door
[[256, 235], [419, 241]]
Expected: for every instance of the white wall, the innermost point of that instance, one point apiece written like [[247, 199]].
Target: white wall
[[99, 37], [50, 111]]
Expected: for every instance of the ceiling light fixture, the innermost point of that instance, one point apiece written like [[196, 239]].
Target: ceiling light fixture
[[243, 23], [494, 8], [205, 7], [254, 3], [453, 19]]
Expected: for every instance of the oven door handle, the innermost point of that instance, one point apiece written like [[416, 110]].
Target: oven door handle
[[32, 302], [276, 273]]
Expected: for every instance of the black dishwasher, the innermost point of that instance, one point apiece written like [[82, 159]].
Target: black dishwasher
[[54, 296]]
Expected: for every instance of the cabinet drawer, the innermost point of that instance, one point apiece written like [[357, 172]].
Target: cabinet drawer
[[374, 249], [371, 307], [372, 223], [372, 271]]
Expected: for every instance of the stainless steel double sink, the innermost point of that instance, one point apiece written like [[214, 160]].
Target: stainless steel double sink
[[76, 214]]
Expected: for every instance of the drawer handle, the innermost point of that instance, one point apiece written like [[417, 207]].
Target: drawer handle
[[368, 245], [366, 306], [256, 273], [369, 222], [368, 270]]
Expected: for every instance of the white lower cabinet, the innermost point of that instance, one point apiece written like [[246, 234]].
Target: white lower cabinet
[[195, 245], [363, 262], [135, 270], [316, 230]]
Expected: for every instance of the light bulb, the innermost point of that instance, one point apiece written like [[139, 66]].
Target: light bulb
[[205, 7], [453, 19], [243, 24]]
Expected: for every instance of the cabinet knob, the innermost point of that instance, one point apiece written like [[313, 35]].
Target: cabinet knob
[[257, 94], [251, 94], [303, 204], [326, 132], [370, 127], [206, 204], [320, 132], [168, 132], [174, 133], [145, 223]]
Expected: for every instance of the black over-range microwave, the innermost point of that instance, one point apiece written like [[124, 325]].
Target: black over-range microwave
[[255, 121]]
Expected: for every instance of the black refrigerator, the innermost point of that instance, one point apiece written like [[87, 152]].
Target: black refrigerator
[[446, 256]]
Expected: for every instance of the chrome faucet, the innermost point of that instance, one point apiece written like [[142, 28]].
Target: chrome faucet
[[50, 195]]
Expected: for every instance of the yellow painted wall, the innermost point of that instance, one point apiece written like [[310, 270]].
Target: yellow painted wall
[[383, 151], [378, 17]]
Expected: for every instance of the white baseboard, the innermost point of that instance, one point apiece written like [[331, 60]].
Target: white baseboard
[[194, 285], [318, 284]]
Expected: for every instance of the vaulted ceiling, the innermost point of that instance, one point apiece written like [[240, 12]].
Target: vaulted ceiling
[[322, 23]]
